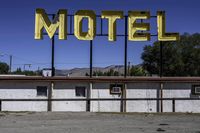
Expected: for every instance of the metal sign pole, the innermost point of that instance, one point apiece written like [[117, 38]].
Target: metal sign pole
[[161, 74], [91, 57], [161, 59], [53, 53], [125, 35], [125, 47]]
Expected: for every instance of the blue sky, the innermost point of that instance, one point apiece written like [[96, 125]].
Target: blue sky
[[17, 31]]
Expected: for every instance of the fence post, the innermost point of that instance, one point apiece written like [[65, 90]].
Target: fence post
[[0, 105], [49, 102], [88, 102], [161, 97], [121, 105], [158, 101], [124, 97], [173, 105]]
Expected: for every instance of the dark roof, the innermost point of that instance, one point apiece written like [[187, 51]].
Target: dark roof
[[102, 79]]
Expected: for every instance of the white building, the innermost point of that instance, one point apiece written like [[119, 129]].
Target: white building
[[46, 72], [105, 94]]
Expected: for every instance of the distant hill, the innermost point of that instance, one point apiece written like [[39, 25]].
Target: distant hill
[[82, 71]]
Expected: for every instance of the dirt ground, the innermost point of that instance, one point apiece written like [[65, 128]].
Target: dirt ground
[[28, 122]]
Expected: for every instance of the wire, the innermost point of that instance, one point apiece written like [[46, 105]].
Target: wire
[[19, 58], [25, 59], [62, 63]]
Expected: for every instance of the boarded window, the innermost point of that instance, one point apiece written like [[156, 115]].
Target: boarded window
[[42, 91], [80, 91]]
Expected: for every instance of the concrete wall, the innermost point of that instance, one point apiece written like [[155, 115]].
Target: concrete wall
[[141, 90], [23, 90], [67, 90], [19, 90], [102, 90], [173, 90]]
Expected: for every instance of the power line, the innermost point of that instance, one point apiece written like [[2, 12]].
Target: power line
[[33, 62], [70, 63], [25, 59]]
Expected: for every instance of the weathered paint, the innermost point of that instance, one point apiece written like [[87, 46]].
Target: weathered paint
[[173, 90], [102, 90], [142, 90], [27, 90], [17, 90], [67, 90]]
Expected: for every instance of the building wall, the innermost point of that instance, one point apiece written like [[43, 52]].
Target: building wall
[[67, 90], [183, 90], [102, 90], [23, 90], [19, 90], [141, 90]]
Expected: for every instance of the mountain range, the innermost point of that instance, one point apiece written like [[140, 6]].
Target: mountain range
[[82, 71]]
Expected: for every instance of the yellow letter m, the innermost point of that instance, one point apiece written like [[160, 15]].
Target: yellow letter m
[[59, 22]]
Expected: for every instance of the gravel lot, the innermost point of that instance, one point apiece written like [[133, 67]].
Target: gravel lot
[[28, 122]]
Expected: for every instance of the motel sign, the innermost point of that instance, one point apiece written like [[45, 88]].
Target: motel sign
[[136, 31]]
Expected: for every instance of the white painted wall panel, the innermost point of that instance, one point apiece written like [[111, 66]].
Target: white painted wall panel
[[22, 90], [188, 106], [141, 90], [67, 90], [24, 106], [102, 90], [179, 90], [141, 106]]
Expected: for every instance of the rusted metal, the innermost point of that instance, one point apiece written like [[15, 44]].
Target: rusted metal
[[103, 79]]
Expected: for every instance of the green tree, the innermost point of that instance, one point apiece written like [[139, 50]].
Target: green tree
[[18, 71], [4, 68], [116, 73], [87, 74], [27, 73], [180, 58], [137, 71], [111, 72], [99, 73]]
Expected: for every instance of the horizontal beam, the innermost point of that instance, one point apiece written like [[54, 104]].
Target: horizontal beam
[[103, 79], [101, 99], [99, 16], [119, 35]]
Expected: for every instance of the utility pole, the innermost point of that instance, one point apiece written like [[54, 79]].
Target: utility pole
[[38, 71], [129, 63], [10, 66]]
